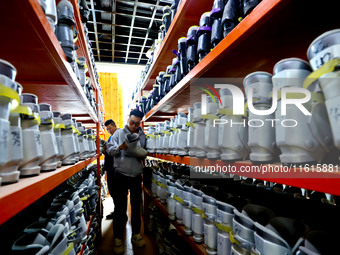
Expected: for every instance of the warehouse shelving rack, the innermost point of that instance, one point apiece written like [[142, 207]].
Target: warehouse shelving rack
[[84, 51], [16, 197], [32, 47], [274, 30]]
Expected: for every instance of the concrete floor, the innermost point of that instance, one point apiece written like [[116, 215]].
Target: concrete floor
[[106, 246]]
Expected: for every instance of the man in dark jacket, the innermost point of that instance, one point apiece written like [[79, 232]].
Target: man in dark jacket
[[111, 128], [128, 177]]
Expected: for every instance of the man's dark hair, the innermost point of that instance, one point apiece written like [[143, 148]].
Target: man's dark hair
[[136, 113], [110, 121]]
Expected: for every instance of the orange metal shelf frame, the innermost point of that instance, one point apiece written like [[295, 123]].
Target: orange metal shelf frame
[[81, 42], [30, 44], [274, 30], [83, 48], [88, 224], [32, 47], [198, 248], [15, 197], [319, 181]]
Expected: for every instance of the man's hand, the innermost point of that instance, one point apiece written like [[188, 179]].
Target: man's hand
[[105, 148], [123, 146]]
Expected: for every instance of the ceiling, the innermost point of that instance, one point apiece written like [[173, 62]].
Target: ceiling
[[122, 31]]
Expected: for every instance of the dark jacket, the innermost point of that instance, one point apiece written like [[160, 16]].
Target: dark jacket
[[108, 163], [108, 160]]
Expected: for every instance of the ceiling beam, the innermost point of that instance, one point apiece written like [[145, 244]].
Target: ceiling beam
[[117, 25], [149, 28], [121, 57], [141, 3], [135, 45], [130, 58], [138, 16], [131, 28], [135, 52], [137, 37], [168, 2], [126, 14], [95, 28], [113, 29]]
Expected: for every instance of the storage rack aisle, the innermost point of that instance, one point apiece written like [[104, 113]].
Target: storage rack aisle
[[44, 68]]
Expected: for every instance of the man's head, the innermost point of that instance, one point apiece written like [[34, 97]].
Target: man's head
[[110, 126], [135, 120]]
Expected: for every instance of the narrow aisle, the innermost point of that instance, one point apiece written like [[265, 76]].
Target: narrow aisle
[[106, 246]]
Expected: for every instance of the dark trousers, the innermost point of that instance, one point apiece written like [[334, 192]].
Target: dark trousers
[[110, 173], [122, 184]]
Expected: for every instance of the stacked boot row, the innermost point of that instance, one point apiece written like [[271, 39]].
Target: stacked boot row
[[270, 129], [200, 40], [168, 241], [34, 138], [246, 216], [62, 228], [85, 81], [169, 13], [61, 19], [85, 12], [297, 143]]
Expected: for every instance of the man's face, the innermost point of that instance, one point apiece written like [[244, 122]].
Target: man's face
[[134, 123], [111, 129]]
